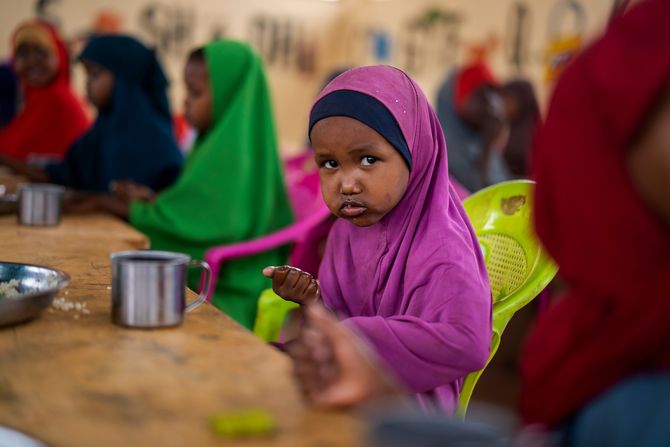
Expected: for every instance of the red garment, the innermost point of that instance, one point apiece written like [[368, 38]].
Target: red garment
[[611, 248], [470, 79], [51, 119]]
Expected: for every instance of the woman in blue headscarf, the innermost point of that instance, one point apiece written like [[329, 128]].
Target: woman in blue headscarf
[[132, 137]]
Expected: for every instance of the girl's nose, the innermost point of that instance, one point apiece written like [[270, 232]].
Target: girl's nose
[[350, 185]]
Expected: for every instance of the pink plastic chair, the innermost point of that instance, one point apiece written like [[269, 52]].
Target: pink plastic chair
[[312, 224], [302, 183]]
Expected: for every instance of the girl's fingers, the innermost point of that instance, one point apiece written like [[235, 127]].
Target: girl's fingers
[[269, 271], [306, 373], [328, 374], [292, 279], [312, 361], [291, 283], [313, 294], [317, 345], [303, 284], [328, 325], [279, 280], [297, 350]]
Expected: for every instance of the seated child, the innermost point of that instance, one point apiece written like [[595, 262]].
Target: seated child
[[402, 267], [132, 137], [51, 118], [232, 188]]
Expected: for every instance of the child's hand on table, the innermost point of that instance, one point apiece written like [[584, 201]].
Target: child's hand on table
[[82, 203], [293, 284], [76, 202], [128, 191]]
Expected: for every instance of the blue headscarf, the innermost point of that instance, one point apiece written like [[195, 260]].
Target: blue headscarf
[[133, 138]]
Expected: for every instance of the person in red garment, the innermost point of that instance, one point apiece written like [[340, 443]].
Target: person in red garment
[[602, 166], [52, 118]]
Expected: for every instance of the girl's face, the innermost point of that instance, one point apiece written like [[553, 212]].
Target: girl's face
[[363, 177], [99, 85], [198, 103], [35, 65]]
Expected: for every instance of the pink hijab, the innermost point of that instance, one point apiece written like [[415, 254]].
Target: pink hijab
[[415, 283]]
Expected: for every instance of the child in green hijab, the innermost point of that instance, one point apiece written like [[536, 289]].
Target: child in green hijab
[[231, 188]]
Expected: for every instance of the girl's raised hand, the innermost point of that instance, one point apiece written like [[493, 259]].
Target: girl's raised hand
[[293, 284]]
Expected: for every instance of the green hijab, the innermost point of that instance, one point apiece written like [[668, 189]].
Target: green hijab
[[231, 189]]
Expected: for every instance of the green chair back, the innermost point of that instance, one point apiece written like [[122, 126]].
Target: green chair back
[[518, 266]]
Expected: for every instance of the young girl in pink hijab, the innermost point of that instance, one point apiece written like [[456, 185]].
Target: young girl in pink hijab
[[402, 265]]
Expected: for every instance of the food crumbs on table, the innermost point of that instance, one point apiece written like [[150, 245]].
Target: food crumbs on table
[[62, 304]]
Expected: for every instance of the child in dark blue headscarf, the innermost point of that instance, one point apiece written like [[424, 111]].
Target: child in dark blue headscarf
[[132, 137]]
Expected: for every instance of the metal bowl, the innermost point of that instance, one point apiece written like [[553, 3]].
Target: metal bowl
[[15, 438], [37, 288]]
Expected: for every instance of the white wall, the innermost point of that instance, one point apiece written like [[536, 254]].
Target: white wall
[[337, 32]]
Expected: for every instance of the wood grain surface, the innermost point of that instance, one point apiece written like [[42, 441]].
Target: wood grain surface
[[72, 378]]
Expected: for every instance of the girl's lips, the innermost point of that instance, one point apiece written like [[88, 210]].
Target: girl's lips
[[352, 210]]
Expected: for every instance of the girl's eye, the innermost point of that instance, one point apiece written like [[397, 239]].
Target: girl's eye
[[368, 161], [329, 164]]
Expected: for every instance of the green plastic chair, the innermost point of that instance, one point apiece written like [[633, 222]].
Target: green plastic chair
[[518, 267], [271, 315]]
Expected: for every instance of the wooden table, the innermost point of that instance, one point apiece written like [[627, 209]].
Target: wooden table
[[75, 379]]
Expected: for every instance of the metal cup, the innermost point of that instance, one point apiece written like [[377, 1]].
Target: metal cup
[[148, 288], [40, 204]]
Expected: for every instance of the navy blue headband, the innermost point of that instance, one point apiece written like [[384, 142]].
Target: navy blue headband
[[366, 109]]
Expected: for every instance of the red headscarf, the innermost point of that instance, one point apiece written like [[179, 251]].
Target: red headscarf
[[470, 79], [611, 248], [52, 117]]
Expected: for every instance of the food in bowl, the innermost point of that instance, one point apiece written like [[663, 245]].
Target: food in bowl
[[9, 288]]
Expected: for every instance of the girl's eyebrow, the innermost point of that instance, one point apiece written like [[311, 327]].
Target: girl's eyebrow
[[357, 149], [324, 154], [365, 147]]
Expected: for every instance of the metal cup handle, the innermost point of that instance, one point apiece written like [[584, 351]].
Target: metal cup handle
[[208, 283]]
